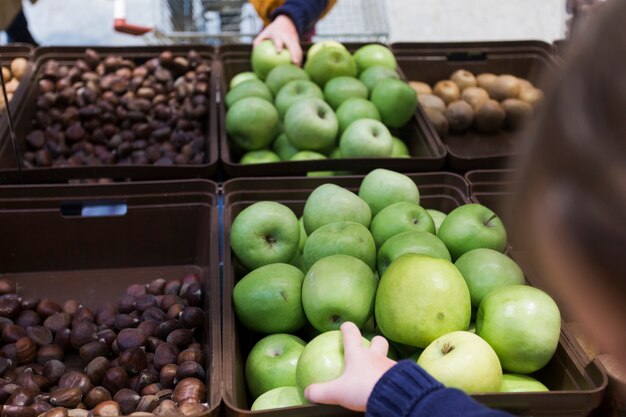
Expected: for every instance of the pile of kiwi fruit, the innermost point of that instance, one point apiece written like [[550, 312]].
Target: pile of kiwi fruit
[[486, 102]]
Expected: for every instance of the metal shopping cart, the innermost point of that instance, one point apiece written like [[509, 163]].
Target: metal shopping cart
[[221, 21]]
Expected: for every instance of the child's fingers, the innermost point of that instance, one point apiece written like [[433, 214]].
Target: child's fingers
[[326, 393], [379, 345], [351, 337]]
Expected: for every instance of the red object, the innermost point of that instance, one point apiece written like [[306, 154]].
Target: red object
[[120, 25]]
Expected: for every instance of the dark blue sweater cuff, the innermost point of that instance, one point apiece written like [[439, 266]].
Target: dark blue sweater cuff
[[303, 13], [400, 389]]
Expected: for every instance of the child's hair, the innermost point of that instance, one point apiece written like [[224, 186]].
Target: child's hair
[[576, 161]]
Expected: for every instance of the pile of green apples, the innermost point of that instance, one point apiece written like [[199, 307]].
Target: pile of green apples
[[385, 263], [340, 105]]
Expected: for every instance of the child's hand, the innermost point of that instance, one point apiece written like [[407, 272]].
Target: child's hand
[[283, 33], [363, 368]]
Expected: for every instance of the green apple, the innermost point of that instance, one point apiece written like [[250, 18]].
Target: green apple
[[265, 233], [251, 88], [330, 203], [464, 361], [396, 101], [374, 55], [321, 173], [418, 242], [252, 123], [341, 238], [307, 156], [272, 363], [318, 46], [268, 299], [399, 150], [283, 74], [265, 57], [283, 148], [437, 216], [521, 383], [303, 235], [311, 124], [281, 397], [522, 324], [340, 89], [336, 289], [241, 77], [322, 360], [485, 270], [382, 187], [355, 109], [472, 226], [366, 138], [335, 154], [293, 92], [399, 218], [371, 76], [262, 156], [421, 298], [330, 63]]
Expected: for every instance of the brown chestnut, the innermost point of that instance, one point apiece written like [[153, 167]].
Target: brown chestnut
[[92, 350], [96, 369], [71, 307], [136, 289], [47, 307], [57, 321], [83, 314], [180, 338], [166, 408], [144, 301], [174, 311], [18, 411], [168, 375], [189, 389], [7, 286], [115, 379], [147, 327], [53, 370], [148, 403], [151, 389], [95, 396], [63, 339], [145, 378], [153, 313], [83, 332], [21, 396], [66, 397], [127, 399], [12, 333], [193, 294], [27, 318], [107, 336], [190, 369], [40, 335], [105, 315], [56, 412], [165, 394], [172, 287], [126, 303], [156, 286], [107, 409], [25, 350], [165, 328], [41, 407], [125, 321], [165, 353], [192, 409], [133, 360], [30, 303], [27, 379], [76, 379], [130, 338], [49, 352], [192, 317], [169, 300]]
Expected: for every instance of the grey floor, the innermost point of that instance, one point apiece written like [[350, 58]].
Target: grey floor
[[82, 22]]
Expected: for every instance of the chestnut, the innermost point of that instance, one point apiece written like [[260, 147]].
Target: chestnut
[[125, 321], [156, 286], [57, 321], [21, 396], [25, 350], [63, 339], [147, 403], [18, 411], [9, 305], [5, 364], [130, 338], [12, 333], [107, 336], [76, 379], [96, 369], [147, 327], [165, 353], [165, 394], [41, 407], [126, 303], [192, 409], [83, 314], [153, 313], [172, 287], [66, 397], [71, 307], [27, 318], [165, 328], [92, 350], [151, 389], [168, 375], [127, 399], [34, 383], [180, 338], [193, 294], [175, 310], [137, 290], [95, 396], [192, 317], [56, 412], [189, 389], [115, 379], [145, 378], [107, 409], [47, 307], [49, 352], [82, 333], [40, 335], [166, 408], [190, 369], [105, 315], [133, 360], [53, 370]]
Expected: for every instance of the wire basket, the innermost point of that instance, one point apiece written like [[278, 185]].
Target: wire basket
[[221, 21]]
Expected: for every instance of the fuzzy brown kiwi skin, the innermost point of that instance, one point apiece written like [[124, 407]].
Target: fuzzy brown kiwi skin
[[475, 96], [485, 80], [431, 101], [460, 116], [532, 96], [438, 120], [420, 87], [447, 90], [518, 113], [464, 79], [506, 86], [489, 117]]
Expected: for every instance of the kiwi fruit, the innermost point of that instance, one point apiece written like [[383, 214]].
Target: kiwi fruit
[[438, 120], [489, 117], [431, 101], [518, 113], [475, 96], [420, 87], [524, 84], [532, 96], [460, 115], [506, 86], [486, 80], [463, 79], [448, 91]]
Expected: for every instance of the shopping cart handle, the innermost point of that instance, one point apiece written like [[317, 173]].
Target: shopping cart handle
[[120, 25]]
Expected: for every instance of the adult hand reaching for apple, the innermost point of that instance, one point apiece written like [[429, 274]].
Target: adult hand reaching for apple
[[364, 366], [283, 32]]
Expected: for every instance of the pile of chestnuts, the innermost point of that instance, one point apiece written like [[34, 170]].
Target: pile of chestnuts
[[110, 110], [138, 356]]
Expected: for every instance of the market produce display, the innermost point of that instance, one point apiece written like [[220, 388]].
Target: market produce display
[[486, 102], [110, 110], [12, 76], [339, 105], [378, 259], [142, 353]]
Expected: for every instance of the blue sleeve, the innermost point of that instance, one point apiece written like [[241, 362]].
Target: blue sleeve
[[303, 13], [406, 390]]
